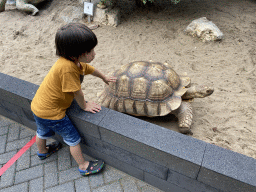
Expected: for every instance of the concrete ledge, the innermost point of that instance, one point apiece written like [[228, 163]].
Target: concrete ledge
[[165, 159], [150, 141], [227, 169], [16, 91]]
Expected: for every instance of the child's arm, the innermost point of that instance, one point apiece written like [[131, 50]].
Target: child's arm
[[97, 73], [89, 106]]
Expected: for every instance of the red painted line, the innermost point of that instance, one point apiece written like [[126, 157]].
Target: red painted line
[[17, 155]]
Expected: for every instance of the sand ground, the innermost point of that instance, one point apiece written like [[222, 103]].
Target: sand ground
[[27, 52]]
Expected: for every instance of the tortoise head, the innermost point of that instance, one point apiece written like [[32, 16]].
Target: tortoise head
[[198, 91]]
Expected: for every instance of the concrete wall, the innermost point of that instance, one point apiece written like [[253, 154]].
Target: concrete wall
[[163, 158]]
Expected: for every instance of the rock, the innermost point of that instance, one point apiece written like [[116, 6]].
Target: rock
[[100, 15], [204, 29], [107, 16], [72, 14], [113, 17]]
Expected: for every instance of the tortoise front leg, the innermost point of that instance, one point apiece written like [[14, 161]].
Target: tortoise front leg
[[2, 5], [185, 116]]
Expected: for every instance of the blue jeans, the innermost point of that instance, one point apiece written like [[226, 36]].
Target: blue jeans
[[64, 127]]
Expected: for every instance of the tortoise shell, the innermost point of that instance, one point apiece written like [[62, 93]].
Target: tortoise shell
[[145, 89]]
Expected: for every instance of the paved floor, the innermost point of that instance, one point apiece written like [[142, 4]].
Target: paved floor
[[57, 173]]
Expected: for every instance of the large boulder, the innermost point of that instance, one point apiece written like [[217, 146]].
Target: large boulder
[[72, 14], [108, 16], [204, 29]]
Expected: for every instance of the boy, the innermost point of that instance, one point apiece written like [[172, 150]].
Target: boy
[[75, 45]]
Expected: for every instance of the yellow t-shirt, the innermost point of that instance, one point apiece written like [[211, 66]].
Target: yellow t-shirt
[[56, 92]]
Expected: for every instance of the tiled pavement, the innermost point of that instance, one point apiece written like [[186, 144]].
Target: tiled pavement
[[59, 172]]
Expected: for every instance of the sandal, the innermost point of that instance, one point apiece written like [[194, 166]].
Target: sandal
[[94, 167], [52, 149]]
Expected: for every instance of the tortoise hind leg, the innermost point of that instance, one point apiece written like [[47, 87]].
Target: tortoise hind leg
[[185, 116]]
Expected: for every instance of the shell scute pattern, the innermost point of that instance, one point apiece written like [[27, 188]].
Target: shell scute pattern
[[123, 87], [159, 90], [145, 88], [155, 72], [139, 89], [173, 79], [137, 69]]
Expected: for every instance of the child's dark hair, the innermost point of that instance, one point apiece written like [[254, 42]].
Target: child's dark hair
[[73, 40]]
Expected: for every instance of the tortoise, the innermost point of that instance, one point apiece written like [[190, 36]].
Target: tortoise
[[147, 88]]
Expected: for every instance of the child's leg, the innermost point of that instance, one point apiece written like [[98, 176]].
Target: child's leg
[[41, 145], [71, 137], [43, 132], [76, 152]]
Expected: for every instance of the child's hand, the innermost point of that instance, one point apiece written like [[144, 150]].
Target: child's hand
[[92, 107], [109, 79]]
